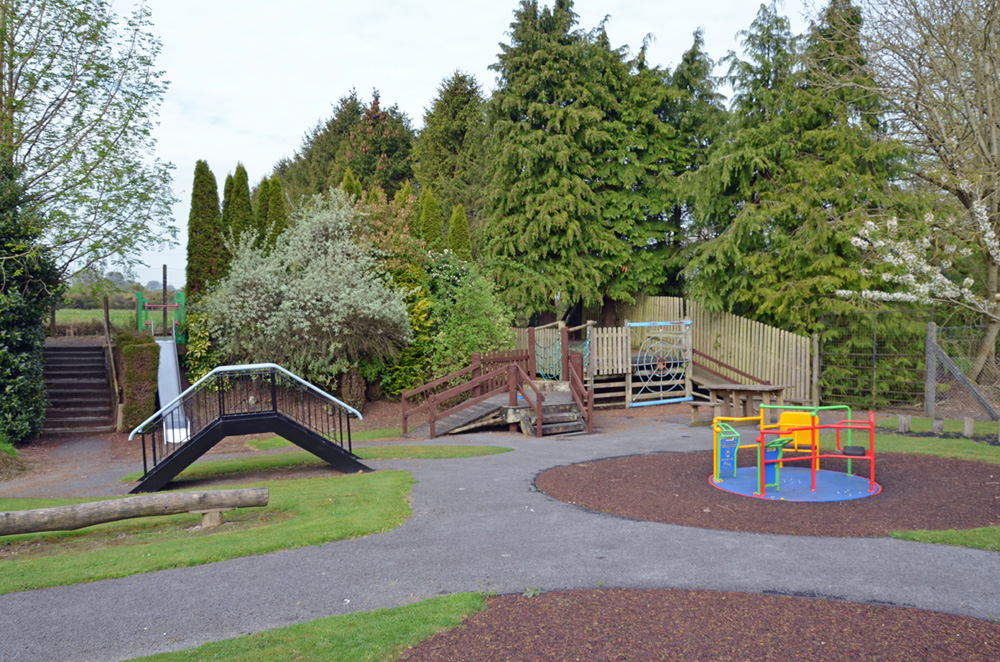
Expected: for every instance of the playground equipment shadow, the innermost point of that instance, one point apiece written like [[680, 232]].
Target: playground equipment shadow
[[480, 524]]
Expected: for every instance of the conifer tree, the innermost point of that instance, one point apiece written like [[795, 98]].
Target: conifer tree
[[277, 216], [448, 151], [430, 221], [403, 194], [458, 234], [351, 185], [227, 199], [262, 198], [240, 218], [314, 167], [577, 165], [799, 171], [378, 148], [205, 249]]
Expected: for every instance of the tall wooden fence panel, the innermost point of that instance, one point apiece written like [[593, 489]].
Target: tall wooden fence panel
[[767, 353], [645, 309]]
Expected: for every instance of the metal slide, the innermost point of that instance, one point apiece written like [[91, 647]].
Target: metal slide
[[175, 426]]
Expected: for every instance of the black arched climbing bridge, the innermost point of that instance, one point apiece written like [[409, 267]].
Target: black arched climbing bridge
[[238, 400]]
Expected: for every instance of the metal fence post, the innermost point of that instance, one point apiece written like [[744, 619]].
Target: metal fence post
[[930, 371]]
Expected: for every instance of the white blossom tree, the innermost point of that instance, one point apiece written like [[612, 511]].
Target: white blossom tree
[[936, 63]]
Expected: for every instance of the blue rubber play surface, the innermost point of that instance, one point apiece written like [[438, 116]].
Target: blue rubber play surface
[[796, 485]]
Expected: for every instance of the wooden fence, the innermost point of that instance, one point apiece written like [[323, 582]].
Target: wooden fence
[[767, 353]]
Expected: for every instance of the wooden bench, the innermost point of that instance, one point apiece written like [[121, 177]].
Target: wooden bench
[[698, 405]]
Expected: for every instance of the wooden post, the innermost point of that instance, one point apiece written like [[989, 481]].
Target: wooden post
[[930, 371], [937, 426], [688, 357], [904, 423], [432, 415], [815, 370], [564, 346], [477, 371], [968, 427], [404, 408], [628, 364], [512, 387], [532, 354]]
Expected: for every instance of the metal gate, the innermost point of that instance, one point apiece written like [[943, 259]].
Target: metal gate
[[661, 367]]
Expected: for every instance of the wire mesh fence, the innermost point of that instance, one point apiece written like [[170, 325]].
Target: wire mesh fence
[[965, 373], [875, 360]]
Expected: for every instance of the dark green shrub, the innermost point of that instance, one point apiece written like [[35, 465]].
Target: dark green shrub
[[28, 282], [138, 359]]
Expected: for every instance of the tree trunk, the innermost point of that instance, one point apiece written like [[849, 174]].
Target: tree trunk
[[987, 350], [70, 518]]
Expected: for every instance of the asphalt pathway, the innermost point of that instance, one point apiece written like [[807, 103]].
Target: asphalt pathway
[[479, 524]]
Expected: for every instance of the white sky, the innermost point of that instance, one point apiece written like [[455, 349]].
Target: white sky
[[248, 78]]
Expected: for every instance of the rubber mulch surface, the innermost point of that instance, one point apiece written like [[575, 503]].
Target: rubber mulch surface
[[705, 625], [918, 492], [612, 624]]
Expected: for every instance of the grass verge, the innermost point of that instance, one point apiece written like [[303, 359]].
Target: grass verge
[[297, 459], [301, 512], [924, 425], [987, 538], [373, 636], [271, 443]]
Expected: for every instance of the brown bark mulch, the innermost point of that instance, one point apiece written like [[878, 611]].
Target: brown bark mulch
[[616, 624], [918, 492], [613, 624]]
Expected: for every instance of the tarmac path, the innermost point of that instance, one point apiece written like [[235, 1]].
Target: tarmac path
[[479, 524]]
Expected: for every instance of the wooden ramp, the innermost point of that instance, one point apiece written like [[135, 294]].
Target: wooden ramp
[[559, 416]]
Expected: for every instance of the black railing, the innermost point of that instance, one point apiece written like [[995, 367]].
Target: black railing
[[248, 392]]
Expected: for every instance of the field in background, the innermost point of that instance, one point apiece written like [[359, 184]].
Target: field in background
[[73, 315]]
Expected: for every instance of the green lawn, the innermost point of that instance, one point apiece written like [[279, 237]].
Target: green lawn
[[372, 636], [924, 425], [300, 512], [298, 458], [270, 443], [118, 317]]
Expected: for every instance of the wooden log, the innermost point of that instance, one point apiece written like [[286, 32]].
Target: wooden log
[[70, 518]]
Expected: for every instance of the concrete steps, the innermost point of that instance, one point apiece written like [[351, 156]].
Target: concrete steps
[[80, 397]]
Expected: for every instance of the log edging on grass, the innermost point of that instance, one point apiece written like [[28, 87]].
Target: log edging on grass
[[77, 516]]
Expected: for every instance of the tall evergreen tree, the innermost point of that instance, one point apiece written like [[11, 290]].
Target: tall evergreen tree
[[261, 199], [314, 167], [577, 194], [205, 248], [239, 216], [458, 234], [277, 216], [799, 171], [448, 152], [227, 199], [430, 221], [378, 149]]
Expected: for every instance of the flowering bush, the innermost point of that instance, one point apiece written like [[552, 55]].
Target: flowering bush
[[316, 304]]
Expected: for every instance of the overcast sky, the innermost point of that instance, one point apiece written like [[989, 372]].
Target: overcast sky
[[248, 78]]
